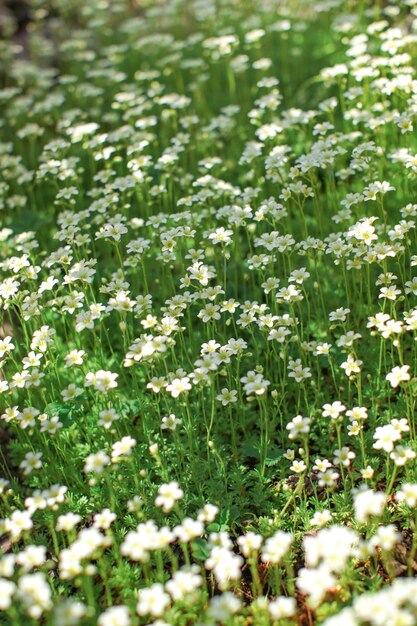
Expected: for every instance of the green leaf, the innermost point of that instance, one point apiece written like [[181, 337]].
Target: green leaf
[[200, 549], [65, 412]]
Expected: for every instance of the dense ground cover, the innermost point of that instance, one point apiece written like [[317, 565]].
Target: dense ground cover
[[208, 313]]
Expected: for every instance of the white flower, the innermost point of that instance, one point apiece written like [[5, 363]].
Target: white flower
[[31, 462], [364, 230], [225, 564], [170, 422], [282, 607], [7, 589], [321, 518], [104, 519], [71, 392], [221, 235], [189, 529], [115, 616], [328, 479], [222, 607], [315, 583], [178, 386], [68, 521], [249, 543], [407, 494], [96, 462], [331, 547], [209, 312], [32, 556], [367, 472], [6, 346], [385, 537], [35, 594], [298, 467], [227, 396], [333, 410], [298, 426], [368, 502], [107, 417], [184, 582], [351, 366], [208, 513], [343, 456], [75, 357], [339, 315], [346, 617], [152, 601], [398, 375], [101, 380], [122, 448], [168, 494], [18, 522], [276, 547], [385, 437]]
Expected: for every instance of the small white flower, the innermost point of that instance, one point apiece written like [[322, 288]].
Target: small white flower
[[398, 375]]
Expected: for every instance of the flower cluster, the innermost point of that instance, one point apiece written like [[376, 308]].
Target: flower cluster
[[208, 314]]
